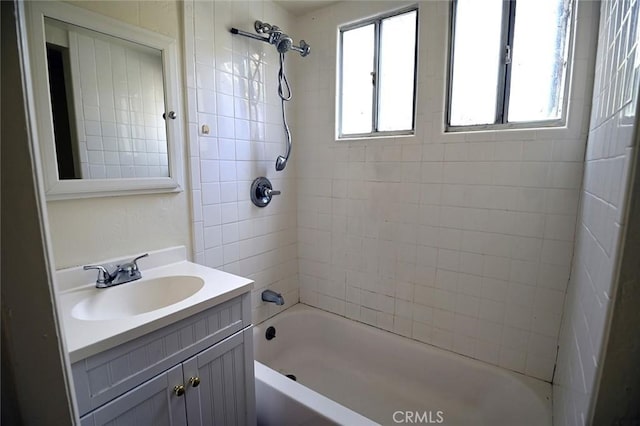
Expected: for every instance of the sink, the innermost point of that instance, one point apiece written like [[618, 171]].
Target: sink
[[136, 298]]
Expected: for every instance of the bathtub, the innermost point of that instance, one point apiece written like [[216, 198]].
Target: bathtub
[[353, 374]]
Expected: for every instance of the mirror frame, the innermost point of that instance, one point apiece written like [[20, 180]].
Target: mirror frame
[[61, 189]]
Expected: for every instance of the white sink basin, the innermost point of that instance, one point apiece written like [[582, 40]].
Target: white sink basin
[[136, 298]]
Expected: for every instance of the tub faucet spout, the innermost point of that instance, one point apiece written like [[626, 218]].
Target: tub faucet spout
[[273, 297]]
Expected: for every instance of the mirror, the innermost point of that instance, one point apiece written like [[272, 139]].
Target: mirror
[[106, 99], [107, 103]]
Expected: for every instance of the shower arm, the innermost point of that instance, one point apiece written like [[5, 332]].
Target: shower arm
[[250, 35], [304, 49]]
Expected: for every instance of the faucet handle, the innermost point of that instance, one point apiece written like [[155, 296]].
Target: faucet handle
[[132, 267], [135, 261], [103, 275], [262, 192]]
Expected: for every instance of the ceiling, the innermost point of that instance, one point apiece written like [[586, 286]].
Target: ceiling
[[301, 7]]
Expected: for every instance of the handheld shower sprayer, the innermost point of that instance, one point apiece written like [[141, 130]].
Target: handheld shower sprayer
[[283, 44], [281, 162]]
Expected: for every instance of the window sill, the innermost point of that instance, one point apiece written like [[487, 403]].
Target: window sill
[[532, 125], [379, 135]]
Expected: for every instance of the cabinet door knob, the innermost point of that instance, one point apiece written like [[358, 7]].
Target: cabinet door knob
[[178, 390], [195, 381]]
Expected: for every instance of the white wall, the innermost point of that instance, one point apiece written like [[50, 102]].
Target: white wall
[[86, 230], [462, 240], [601, 221], [231, 83]]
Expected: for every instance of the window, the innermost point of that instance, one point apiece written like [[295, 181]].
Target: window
[[508, 63], [378, 76]]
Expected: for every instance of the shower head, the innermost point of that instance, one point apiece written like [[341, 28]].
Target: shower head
[[284, 43], [281, 163]]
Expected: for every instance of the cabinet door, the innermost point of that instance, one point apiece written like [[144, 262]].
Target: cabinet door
[[225, 394], [153, 403]]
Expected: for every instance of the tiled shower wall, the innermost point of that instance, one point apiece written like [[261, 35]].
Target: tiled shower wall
[[601, 221], [460, 240], [231, 89]]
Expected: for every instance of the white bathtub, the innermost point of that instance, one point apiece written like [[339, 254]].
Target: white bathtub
[[344, 367]]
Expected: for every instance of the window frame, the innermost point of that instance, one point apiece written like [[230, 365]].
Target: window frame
[[503, 86], [377, 21]]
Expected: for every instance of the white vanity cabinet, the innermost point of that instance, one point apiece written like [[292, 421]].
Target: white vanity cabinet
[[196, 372], [152, 403]]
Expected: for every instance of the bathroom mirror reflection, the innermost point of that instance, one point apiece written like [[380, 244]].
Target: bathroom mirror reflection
[[107, 103], [102, 89]]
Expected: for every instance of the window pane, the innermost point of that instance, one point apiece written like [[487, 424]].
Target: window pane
[[357, 87], [397, 66], [632, 69], [476, 62], [539, 60]]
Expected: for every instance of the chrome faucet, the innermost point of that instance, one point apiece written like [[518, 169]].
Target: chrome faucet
[[272, 297], [124, 273]]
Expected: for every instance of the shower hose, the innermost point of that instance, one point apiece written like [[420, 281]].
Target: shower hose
[[284, 91]]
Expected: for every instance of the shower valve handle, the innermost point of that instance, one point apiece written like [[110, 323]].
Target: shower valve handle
[[262, 191]]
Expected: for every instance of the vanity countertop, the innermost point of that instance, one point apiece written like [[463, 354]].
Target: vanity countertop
[[85, 338]]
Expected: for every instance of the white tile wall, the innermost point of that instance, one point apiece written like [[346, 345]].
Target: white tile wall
[[231, 83], [601, 218], [463, 240], [119, 106]]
